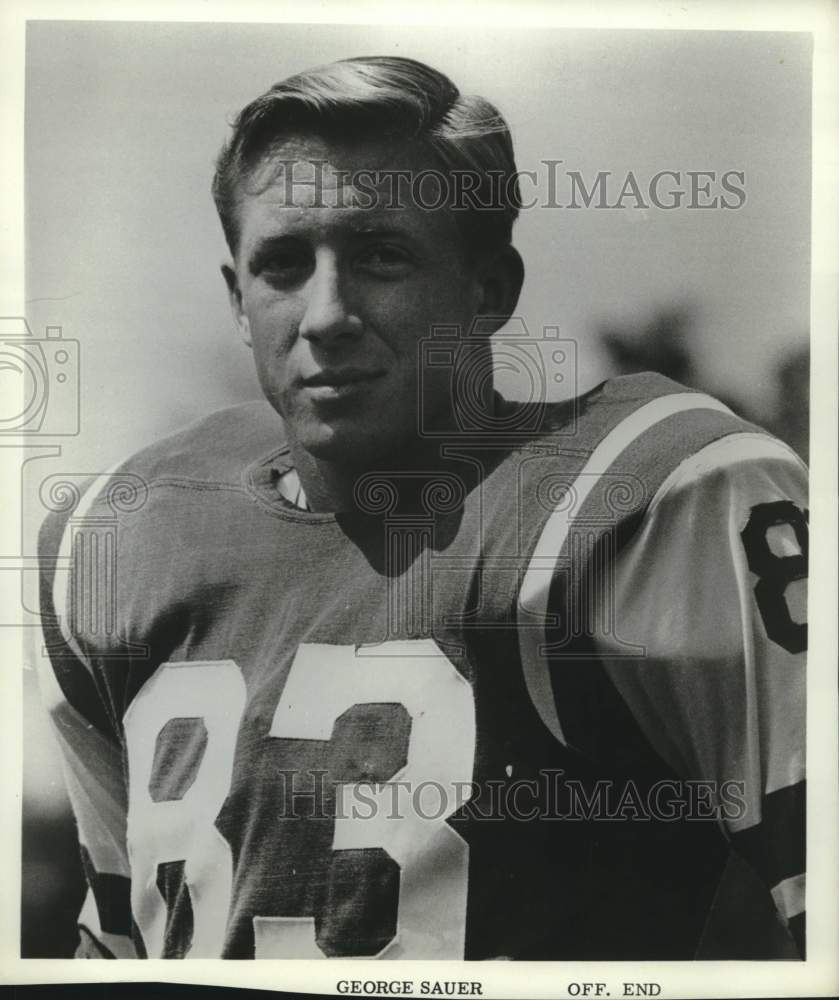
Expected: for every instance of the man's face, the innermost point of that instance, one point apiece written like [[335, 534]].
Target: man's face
[[334, 300]]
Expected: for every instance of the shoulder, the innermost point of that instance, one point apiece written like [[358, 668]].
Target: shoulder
[[745, 464], [213, 452], [640, 402], [699, 463], [639, 451], [639, 428], [624, 407], [743, 497], [214, 449], [728, 527]]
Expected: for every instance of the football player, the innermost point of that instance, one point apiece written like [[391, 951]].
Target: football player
[[387, 665]]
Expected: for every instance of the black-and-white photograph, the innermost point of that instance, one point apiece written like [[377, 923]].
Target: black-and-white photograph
[[413, 478]]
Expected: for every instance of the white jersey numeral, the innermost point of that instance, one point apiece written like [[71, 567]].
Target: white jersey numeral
[[159, 831], [409, 830]]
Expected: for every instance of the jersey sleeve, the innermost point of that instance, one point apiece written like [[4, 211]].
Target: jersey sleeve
[[712, 587], [91, 757]]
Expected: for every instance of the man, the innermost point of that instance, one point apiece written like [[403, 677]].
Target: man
[[390, 666]]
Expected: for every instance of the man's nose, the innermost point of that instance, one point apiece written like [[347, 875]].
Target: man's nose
[[328, 317]]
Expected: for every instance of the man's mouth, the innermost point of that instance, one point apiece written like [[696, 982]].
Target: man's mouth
[[342, 376], [334, 383]]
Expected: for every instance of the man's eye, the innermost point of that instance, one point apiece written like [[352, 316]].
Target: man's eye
[[285, 270], [385, 259]]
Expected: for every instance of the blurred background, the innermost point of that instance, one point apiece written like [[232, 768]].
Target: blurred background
[[123, 121]]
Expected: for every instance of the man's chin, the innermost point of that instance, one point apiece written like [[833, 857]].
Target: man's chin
[[347, 445]]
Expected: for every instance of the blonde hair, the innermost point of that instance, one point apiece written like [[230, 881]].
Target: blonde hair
[[382, 97]]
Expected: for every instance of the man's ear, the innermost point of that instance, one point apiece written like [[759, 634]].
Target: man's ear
[[234, 294], [501, 278]]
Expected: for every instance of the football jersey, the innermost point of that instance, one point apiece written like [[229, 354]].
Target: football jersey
[[534, 703]]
